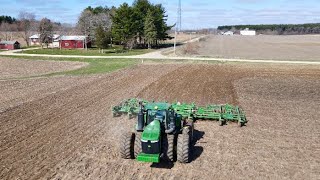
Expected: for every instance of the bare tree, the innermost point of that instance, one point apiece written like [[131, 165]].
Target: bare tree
[[27, 25], [45, 31], [7, 31], [85, 22]]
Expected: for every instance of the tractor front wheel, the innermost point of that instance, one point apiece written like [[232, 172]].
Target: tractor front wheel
[[126, 145], [168, 147], [183, 146], [137, 145]]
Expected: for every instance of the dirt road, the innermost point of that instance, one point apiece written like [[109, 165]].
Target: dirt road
[[63, 129]]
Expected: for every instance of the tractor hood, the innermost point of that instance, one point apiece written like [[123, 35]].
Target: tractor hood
[[152, 132], [150, 141]]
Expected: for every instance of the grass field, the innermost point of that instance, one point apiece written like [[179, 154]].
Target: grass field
[[91, 52], [95, 66]]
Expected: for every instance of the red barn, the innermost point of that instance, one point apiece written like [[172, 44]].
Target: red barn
[[74, 42], [9, 45]]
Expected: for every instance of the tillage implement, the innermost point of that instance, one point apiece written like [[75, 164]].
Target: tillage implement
[[164, 131]]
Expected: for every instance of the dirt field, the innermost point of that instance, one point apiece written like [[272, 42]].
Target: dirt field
[[15, 68], [261, 47], [61, 127]]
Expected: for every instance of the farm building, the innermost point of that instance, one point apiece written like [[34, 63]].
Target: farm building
[[248, 32], [74, 42], [55, 41], [35, 40], [228, 33], [9, 45]]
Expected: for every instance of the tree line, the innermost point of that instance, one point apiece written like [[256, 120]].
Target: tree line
[[279, 29], [7, 19], [141, 25]]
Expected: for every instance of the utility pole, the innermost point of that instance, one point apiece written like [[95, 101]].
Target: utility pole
[[179, 16], [178, 27]]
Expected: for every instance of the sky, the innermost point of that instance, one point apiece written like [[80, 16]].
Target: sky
[[196, 14]]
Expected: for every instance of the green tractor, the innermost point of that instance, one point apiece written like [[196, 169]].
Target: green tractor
[[160, 134]]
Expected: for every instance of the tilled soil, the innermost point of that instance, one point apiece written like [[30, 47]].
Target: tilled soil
[[65, 130], [16, 68], [301, 47]]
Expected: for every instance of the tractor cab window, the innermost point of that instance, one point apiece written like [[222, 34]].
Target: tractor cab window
[[153, 114]]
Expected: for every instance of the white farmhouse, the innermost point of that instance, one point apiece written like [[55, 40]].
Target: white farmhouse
[[228, 33], [248, 32]]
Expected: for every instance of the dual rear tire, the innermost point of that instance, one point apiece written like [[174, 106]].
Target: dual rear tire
[[183, 145]]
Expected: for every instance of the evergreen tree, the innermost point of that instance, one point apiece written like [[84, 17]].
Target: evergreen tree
[[140, 8], [102, 38], [123, 24], [150, 30], [129, 24]]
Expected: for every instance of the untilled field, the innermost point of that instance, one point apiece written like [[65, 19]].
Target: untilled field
[[300, 48], [61, 127], [16, 68]]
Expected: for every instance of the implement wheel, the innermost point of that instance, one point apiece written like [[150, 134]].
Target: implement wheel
[[126, 145], [240, 124], [222, 122], [167, 148], [137, 145], [183, 146]]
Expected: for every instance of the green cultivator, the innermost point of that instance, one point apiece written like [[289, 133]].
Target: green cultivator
[[129, 107], [165, 131], [221, 113]]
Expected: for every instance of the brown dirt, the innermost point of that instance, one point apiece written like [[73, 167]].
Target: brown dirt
[[302, 47], [15, 68], [65, 130]]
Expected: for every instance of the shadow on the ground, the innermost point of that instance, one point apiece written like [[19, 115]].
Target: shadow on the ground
[[196, 150]]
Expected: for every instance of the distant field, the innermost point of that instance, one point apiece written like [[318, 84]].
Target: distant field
[[90, 52], [301, 47]]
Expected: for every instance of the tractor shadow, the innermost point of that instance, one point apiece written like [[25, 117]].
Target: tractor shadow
[[163, 165], [196, 152], [196, 149]]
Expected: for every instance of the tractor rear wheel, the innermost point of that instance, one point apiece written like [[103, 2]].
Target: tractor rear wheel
[[137, 145], [126, 145], [168, 147], [183, 146]]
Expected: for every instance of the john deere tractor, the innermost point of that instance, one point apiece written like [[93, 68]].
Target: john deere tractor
[[164, 131], [160, 133]]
